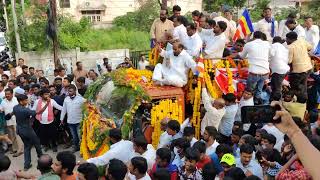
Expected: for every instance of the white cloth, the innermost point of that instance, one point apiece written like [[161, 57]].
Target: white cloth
[[2, 94], [226, 123], [180, 33], [18, 70], [72, 107], [174, 69], [44, 115], [149, 155], [205, 34], [213, 116], [312, 36], [283, 29], [193, 45], [142, 65], [164, 140], [7, 107], [212, 149], [242, 103], [233, 23], [215, 46], [271, 129], [132, 177], [121, 150], [193, 140], [300, 31], [279, 58], [265, 27], [230, 31], [257, 52]]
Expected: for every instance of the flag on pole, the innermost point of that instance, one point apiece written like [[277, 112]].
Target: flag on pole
[[200, 66], [245, 26]]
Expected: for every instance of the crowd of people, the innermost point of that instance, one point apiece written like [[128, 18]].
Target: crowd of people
[[37, 112]]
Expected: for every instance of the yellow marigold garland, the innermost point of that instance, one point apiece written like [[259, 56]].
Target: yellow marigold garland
[[166, 108], [196, 110]]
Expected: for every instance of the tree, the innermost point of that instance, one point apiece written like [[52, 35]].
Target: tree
[[215, 5]]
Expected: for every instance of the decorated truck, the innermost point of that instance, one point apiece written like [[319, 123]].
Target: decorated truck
[[119, 99]]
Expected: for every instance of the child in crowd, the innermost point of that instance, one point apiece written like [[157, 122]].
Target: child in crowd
[[190, 170]]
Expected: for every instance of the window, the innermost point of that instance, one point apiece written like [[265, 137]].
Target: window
[[93, 15], [64, 3]]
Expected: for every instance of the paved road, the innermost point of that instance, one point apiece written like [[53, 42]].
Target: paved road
[[17, 162]]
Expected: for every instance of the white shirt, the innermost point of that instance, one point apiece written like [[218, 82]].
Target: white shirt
[[283, 29], [19, 70], [258, 56], [215, 46], [2, 94], [205, 34], [212, 149], [72, 107], [164, 140], [121, 150], [180, 33], [193, 140], [229, 32], [243, 102], [265, 27], [300, 31], [149, 155], [312, 36], [142, 65], [279, 58], [174, 69], [271, 129], [226, 123], [193, 44], [7, 107], [132, 177], [213, 116], [44, 115]]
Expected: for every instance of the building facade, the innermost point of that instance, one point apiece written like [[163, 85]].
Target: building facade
[[102, 12]]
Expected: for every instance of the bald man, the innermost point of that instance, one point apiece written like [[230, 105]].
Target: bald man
[[44, 166], [165, 138], [175, 67], [215, 110]]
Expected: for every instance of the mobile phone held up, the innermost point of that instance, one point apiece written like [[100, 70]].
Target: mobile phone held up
[[259, 114]]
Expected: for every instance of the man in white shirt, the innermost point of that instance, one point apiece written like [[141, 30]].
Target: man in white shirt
[[72, 106], [19, 67], [283, 29], [179, 31], [120, 149], [215, 44], [138, 169], [193, 43], [257, 52], [142, 63], [225, 126], [295, 27], [209, 136], [47, 129], [228, 15], [206, 32], [268, 25], [175, 67], [215, 110], [229, 30], [312, 32], [279, 58], [165, 138], [145, 150], [6, 106]]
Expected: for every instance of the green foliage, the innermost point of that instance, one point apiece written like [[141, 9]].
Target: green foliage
[[312, 10], [215, 5], [257, 10], [282, 13], [141, 19]]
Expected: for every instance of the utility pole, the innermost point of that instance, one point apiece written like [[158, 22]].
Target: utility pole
[[53, 6], [15, 23], [5, 15]]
